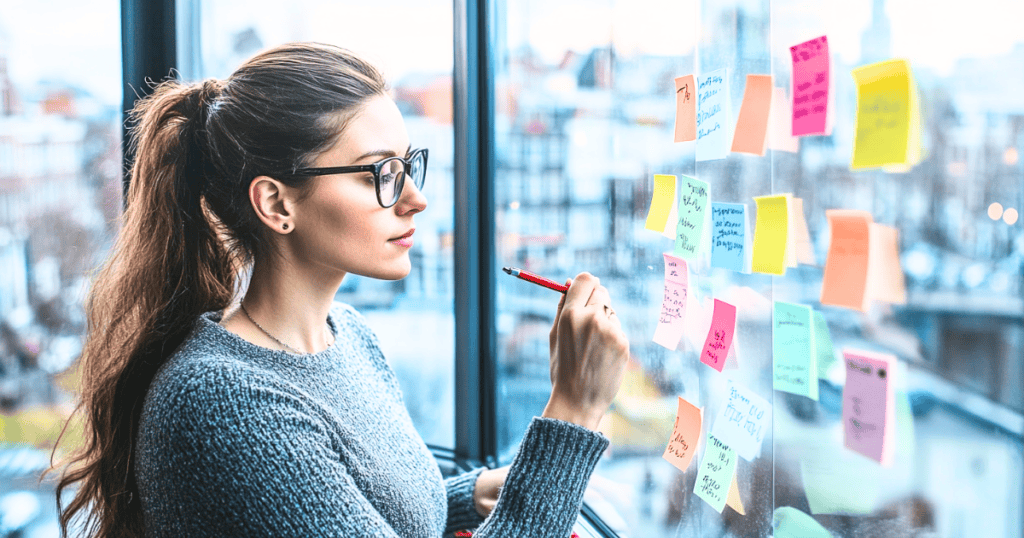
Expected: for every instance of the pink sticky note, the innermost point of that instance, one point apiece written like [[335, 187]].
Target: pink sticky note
[[885, 274], [719, 340], [781, 124], [685, 436], [686, 109], [869, 405], [673, 306], [751, 135], [810, 87]]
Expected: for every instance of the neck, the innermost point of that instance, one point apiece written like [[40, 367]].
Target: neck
[[292, 304]]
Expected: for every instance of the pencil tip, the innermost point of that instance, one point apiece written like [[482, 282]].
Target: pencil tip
[[507, 270]]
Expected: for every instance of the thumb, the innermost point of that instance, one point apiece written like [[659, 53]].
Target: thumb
[[561, 302]]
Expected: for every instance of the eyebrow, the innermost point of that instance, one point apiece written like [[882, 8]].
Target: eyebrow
[[381, 153]]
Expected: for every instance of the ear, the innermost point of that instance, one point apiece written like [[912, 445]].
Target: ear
[[273, 202]]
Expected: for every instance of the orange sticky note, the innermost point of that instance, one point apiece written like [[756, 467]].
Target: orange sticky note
[[733, 500], [844, 281], [802, 249], [685, 435], [751, 135], [885, 274], [771, 233], [686, 109], [781, 138]]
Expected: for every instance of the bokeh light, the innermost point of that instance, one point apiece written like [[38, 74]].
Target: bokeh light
[[995, 211], [1010, 216]]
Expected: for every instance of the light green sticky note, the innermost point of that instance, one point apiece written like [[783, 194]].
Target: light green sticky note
[[715, 474], [844, 484], [693, 206], [904, 426], [793, 352], [823, 344], [792, 523]]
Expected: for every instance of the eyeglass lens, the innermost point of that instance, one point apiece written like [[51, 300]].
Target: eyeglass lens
[[392, 180]]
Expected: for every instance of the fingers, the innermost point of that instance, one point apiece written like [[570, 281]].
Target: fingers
[[561, 301], [600, 297], [580, 290]]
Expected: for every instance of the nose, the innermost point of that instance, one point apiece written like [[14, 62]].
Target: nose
[[412, 199]]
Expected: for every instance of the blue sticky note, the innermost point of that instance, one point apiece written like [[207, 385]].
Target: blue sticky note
[[714, 138], [730, 238]]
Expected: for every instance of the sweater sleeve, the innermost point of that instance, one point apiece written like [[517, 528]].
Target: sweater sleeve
[[461, 510], [543, 492], [250, 459]]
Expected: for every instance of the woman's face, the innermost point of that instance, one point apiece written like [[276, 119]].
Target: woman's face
[[340, 225]]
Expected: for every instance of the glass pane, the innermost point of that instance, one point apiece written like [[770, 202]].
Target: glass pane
[[585, 118], [60, 196], [413, 317]]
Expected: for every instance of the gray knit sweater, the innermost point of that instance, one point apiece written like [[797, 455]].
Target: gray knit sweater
[[240, 440]]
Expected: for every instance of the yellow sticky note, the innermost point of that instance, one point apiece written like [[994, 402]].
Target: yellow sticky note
[[886, 99], [885, 274], [751, 134], [770, 235], [733, 500], [661, 202]]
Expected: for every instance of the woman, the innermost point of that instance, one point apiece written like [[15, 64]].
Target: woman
[[279, 416]]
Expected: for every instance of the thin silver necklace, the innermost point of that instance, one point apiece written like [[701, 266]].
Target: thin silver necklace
[[274, 338]]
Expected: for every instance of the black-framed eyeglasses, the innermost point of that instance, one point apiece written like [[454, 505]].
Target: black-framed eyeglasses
[[388, 175]]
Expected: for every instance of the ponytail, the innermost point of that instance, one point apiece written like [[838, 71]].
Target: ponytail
[[167, 268], [188, 232]]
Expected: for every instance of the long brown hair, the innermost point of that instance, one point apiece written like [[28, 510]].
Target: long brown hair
[[188, 230]]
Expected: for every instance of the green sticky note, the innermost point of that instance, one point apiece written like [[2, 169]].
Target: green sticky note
[[793, 353], [715, 475], [792, 523], [823, 344], [693, 206], [904, 426]]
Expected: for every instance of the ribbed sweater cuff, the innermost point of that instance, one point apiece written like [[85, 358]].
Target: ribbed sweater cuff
[[461, 510], [544, 489]]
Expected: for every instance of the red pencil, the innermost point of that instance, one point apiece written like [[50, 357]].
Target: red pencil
[[536, 279]]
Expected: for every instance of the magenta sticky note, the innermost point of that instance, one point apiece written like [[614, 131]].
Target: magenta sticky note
[[869, 404], [719, 340], [673, 304], [810, 87]]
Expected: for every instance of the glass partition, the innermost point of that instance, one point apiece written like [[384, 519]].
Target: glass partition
[[584, 120], [413, 317]]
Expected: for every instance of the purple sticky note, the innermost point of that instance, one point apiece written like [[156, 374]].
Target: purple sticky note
[[869, 405], [673, 304], [719, 340], [810, 87]]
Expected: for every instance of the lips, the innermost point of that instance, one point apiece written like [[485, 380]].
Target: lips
[[406, 235]]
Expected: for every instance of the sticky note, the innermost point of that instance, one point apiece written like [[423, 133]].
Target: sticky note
[[719, 340], [730, 236], [869, 408], [733, 500], [743, 422], [882, 132], [823, 344], [693, 206], [844, 280], [662, 200], [686, 109], [771, 230], [789, 522], [685, 435], [781, 123], [905, 440], [795, 362], [885, 274], [713, 122], [800, 236], [811, 77], [673, 306], [840, 484], [715, 474], [751, 134]]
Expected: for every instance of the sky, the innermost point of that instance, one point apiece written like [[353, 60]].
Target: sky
[[79, 40]]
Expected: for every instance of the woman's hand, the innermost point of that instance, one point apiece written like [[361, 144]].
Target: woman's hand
[[485, 491], [588, 354]]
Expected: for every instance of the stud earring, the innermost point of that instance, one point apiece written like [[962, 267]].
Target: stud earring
[[284, 226]]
